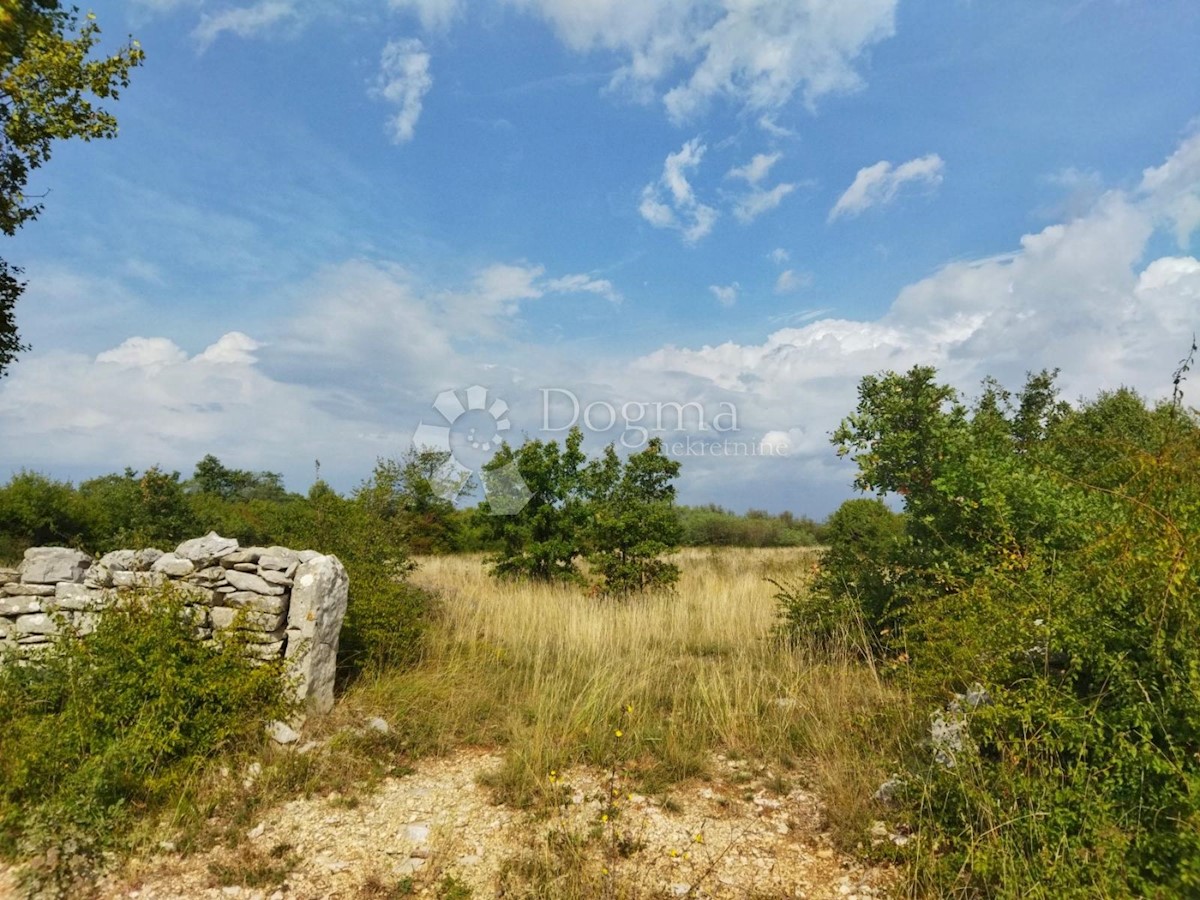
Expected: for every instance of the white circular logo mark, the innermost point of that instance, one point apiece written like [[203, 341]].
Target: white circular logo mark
[[504, 488]]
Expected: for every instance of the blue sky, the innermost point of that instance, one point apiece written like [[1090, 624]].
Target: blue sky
[[320, 214]]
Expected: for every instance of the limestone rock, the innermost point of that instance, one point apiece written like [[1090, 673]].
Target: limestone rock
[[244, 581], [37, 623], [272, 577], [204, 551], [278, 558], [282, 733], [28, 590], [8, 575], [247, 620], [308, 555], [243, 555], [255, 602], [75, 597], [50, 565], [173, 565], [315, 616], [19, 606]]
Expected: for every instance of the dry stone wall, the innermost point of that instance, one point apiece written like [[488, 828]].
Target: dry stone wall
[[286, 604]]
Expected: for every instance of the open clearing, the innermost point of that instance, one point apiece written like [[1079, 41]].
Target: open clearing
[[556, 744]]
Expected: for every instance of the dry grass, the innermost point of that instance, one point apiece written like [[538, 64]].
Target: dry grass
[[547, 672]]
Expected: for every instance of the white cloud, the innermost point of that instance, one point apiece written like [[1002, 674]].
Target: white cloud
[[878, 185], [757, 54], [1173, 189], [752, 205], [403, 81], [1079, 295], [364, 347], [759, 199], [757, 169], [770, 126], [584, 284], [143, 353], [726, 295], [779, 256], [790, 280], [670, 202], [434, 15], [233, 348], [244, 22]]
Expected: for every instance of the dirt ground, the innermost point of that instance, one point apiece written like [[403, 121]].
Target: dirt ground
[[437, 833]]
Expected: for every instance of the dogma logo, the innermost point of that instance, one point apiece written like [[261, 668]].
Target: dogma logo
[[468, 434]]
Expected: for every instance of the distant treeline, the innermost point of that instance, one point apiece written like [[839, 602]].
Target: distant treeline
[[160, 508], [714, 526]]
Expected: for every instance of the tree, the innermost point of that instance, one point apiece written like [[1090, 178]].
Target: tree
[[213, 477], [48, 85], [633, 520], [542, 540], [620, 516]]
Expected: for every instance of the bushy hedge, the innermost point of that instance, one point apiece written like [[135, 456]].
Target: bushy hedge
[[1050, 555], [112, 725]]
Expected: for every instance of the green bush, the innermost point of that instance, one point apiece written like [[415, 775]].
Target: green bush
[[36, 510], [1052, 556], [109, 726], [852, 594], [386, 616]]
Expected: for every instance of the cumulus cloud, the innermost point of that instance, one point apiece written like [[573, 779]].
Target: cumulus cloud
[[726, 295], [779, 256], [403, 81], [757, 54], [670, 202], [365, 346], [244, 22], [879, 184]]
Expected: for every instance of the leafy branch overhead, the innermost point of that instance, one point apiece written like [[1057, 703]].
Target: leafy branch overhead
[[50, 86]]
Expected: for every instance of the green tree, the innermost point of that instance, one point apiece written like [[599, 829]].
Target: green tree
[[49, 83], [213, 477], [633, 522], [132, 510], [37, 511], [545, 538]]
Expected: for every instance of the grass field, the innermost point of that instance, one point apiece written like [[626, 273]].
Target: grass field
[[551, 674]]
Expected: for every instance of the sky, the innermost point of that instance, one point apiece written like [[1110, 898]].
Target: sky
[[324, 220]]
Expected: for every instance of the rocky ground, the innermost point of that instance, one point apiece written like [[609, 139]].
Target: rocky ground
[[437, 833]]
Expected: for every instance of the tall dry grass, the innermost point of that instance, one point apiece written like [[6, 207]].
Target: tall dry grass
[[547, 673]]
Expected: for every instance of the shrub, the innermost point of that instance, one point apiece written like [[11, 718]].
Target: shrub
[[853, 589], [110, 725], [1053, 557], [385, 615]]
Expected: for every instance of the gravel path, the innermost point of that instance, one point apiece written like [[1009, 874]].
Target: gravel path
[[728, 837]]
